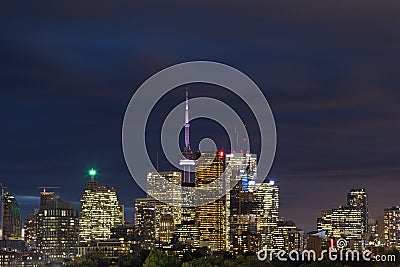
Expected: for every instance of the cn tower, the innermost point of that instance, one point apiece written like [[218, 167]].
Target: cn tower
[[189, 157]]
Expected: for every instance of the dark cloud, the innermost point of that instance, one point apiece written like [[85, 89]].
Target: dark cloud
[[329, 70]]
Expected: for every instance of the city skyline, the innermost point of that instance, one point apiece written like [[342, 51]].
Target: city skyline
[[330, 73]]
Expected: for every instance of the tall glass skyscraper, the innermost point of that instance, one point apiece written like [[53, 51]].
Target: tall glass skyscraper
[[358, 198], [11, 217], [241, 221], [210, 218]]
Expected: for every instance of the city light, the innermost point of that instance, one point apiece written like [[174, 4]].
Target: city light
[[92, 172]]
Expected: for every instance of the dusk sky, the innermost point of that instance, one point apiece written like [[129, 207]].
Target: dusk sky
[[329, 69]]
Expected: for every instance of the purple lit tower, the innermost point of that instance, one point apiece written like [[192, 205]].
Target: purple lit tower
[[189, 157]]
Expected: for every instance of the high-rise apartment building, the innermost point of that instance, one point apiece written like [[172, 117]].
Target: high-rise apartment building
[[210, 218], [100, 211], [359, 198]]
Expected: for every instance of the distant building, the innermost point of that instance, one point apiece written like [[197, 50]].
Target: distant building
[[358, 198], [100, 212], [145, 223], [324, 223], [156, 190], [266, 196], [31, 229], [392, 227], [286, 236], [11, 217], [347, 222], [240, 175], [57, 232], [315, 243]]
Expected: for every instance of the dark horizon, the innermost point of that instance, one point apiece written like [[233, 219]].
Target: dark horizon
[[329, 71]]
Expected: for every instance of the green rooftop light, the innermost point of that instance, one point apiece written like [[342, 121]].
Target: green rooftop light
[[92, 172]]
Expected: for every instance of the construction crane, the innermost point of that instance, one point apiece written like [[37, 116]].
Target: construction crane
[[47, 187]]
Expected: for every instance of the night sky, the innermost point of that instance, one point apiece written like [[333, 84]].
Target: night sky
[[329, 69]]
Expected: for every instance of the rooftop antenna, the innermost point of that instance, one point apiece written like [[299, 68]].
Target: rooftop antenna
[[47, 187]]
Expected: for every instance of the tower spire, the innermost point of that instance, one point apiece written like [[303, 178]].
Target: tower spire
[[187, 125]]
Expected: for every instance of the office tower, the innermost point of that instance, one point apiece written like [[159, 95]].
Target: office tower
[[100, 211], [11, 217], [210, 218], [392, 227], [324, 223], [240, 175], [155, 189], [359, 198], [145, 223], [348, 222], [57, 232], [286, 236], [266, 196]]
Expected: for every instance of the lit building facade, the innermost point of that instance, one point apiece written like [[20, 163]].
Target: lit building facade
[[57, 232], [286, 236], [210, 218], [11, 217], [145, 223], [391, 220], [156, 190], [324, 223], [240, 175], [348, 222], [266, 195], [358, 198], [100, 211]]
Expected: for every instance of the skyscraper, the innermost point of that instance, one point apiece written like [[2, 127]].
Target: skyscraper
[[11, 217], [391, 220], [267, 209], [240, 175], [359, 198], [100, 211], [210, 218], [156, 190], [57, 232], [145, 223]]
